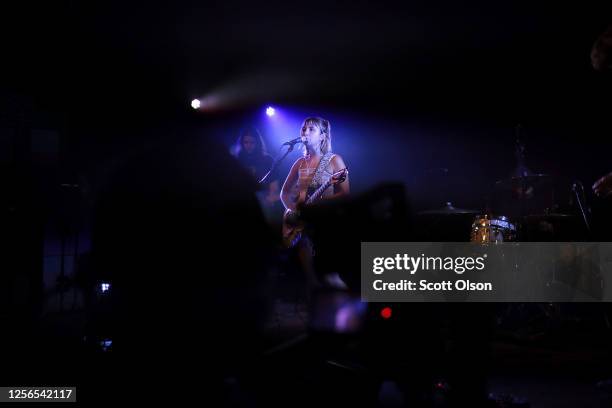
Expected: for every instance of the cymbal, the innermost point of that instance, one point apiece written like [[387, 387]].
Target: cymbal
[[448, 209], [548, 216], [534, 180]]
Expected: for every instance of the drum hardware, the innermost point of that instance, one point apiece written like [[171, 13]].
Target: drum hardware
[[448, 209], [581, 200], [492, 229]]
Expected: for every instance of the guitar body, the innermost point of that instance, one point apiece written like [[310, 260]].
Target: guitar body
[[292, 225], [292, 229]]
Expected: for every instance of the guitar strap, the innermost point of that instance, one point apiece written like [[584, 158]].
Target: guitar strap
[[318, 179]]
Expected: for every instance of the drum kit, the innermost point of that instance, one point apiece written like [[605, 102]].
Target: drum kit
[[527, 207], [522, 208]]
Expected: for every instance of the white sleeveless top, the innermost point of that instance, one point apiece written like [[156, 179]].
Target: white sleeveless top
[[309, 180]]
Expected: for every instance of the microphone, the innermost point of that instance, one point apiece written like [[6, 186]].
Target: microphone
[[292, 142], [577, 184]]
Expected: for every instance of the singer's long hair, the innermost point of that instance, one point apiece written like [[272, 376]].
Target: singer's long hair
[[260, 146], [325, 128]]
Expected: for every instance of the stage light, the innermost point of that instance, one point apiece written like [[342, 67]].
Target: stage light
[[195, 104], [270, 111], [106, 344], [386, 313], [104, 287]]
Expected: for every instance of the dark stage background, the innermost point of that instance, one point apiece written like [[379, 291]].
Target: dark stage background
[[106, 169]]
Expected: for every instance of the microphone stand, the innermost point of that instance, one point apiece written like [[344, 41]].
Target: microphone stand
[[580, 204], [276, 163]]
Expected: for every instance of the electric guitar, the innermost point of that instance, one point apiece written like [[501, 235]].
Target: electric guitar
[[292, 225]]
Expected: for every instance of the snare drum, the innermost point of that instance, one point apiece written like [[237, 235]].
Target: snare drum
[[487, 229]]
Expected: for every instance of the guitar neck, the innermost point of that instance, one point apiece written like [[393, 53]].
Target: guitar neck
[[318, 193]]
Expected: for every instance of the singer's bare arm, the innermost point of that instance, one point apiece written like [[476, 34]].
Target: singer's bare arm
[[287, 190], [340, 189]]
